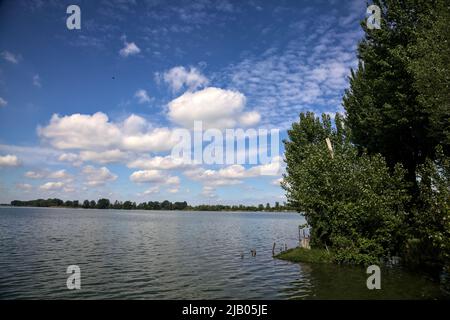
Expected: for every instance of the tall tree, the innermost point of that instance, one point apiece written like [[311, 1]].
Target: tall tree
[[388, 108]]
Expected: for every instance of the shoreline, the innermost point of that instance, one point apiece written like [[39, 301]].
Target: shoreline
[[153, 210]]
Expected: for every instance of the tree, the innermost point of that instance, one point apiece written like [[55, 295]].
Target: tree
[[398, 104], [166, 205], [388, 109], [92, 204], [103, 203], [429, 242], [351, 201], [68, 203], [180, 205], [127, 205], [117, 205], [86, 204], [430, 66]]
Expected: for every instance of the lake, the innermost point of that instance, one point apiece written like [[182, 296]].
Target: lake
[[174, 255]]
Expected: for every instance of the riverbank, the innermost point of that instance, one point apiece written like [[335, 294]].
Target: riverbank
[[306, 255]]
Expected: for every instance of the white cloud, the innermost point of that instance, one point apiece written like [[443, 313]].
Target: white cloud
[[156, 140], [52, 186], [308, 73], [273, 168], [154, 176], [211, 178], [179, 77], [98, 176], [234, 174], [104, 157], [96, 132], [173, 180], [142, 96], [152, 190], [277, 182], [58, 175], [215, 107], [80, 131], [249, 119], [33, 156], [3, 102], [163, 163], [72, 158], [36, 81], [9, 161], [173, 190], [129, 49], [10, 57]]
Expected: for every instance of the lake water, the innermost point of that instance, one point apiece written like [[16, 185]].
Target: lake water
[[173, 255]]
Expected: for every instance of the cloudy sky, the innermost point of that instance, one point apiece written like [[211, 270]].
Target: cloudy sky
[[90, 113]]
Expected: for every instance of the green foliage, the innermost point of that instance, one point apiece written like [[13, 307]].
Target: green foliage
[[305, 255], [103, 203], [430, 65], [430, 231], [392, 106], [352, 202]]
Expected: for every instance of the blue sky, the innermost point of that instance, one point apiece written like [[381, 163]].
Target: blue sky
[[88, 113]]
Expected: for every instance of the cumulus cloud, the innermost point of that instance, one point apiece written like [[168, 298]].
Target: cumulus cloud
[[129, 49], [10, 57], [58, 175], [233, 174], [154, 176], [215, 107], [95, 132], [142, 96], [173, 190], [80, 131], [163, 163], [151, 190], [3, 102], [52, 186], [9, 161], [98, 176], [249, 119], [104, 157], [179, 77], [72, 158]]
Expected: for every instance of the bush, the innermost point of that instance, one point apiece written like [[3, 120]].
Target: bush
[[429, 243], [352, 202]]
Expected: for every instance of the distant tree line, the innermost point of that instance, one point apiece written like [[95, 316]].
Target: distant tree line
[[150, 205]]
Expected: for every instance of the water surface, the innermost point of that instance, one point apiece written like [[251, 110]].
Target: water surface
[[173, 255]]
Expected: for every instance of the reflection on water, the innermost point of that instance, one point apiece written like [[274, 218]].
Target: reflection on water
[[172, 255]]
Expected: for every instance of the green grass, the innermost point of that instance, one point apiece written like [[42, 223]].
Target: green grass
[[306, 255]]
